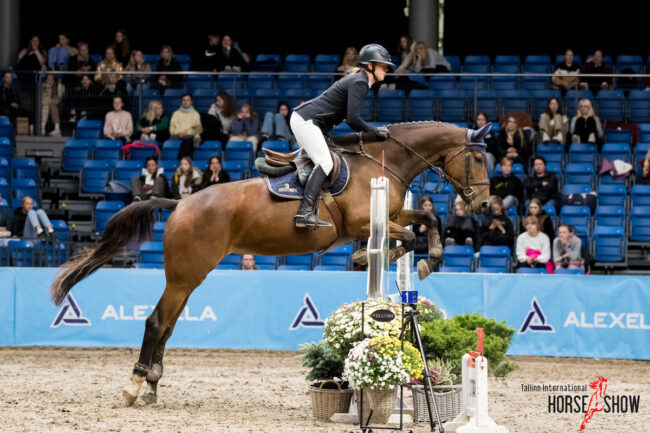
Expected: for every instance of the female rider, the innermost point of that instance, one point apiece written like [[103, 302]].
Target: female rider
[[316, 117]]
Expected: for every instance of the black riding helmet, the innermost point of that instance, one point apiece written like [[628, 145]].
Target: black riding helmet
[[374, 53]]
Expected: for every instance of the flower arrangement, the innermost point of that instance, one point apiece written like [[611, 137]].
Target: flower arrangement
[[343, 327], [380, 363], [428, 310]]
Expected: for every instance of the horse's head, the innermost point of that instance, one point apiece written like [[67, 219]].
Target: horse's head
[[466, 166]]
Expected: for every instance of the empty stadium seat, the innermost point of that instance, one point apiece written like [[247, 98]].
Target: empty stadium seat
[[286, 82], [158, 230], [490, 270], [261, 81], [25, 167], [494, 257], [454, 269], [535, 83], [640, 195], [326, 62], [571, 188], [230, 82], [108, 150], [579, 216], [89, 129], [152, 253], [391, 105], [23, 186], [625, 61], [75, 154], [5, 170], [297, 63], [104, 211], [438, 83], [487, 102], [5, 190], [505, 83], [618, 135], [125, 170], [266, 100], [6, 148], [611, 105], [583, 153], [507, 64], [319, 82], [640, 224], [61, 230], [266, 262], [458, 255], [551, 152], [454, 61], [95, 175], [208, 149], [537, 64], [141, 153], [537, 271], [276, 145], [474, 83], [610, 216], [580, 173], [566, 271], [612, 195], [452, 105], [639, 103], [614, 151], [609, 244], [231, 261], [22, 252], [203, 98], [514, 100], [170, 149], [338, 257], [300, 260], [476, 64], [295, 96], [268, 62]]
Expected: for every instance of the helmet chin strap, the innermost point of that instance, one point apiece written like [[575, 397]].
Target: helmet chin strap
[[371, 70]]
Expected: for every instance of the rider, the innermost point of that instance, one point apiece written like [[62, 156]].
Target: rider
[[316, 117]]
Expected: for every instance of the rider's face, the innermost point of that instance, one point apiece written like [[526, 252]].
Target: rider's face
[[381, 70]]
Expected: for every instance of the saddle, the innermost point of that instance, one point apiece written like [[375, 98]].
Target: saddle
[[297, 160]]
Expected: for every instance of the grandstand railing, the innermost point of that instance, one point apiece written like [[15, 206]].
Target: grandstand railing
[[40, 253]]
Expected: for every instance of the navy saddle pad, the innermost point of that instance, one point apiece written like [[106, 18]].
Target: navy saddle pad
[[288, 186]]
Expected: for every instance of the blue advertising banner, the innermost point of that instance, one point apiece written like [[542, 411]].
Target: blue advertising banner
[[593, 316]]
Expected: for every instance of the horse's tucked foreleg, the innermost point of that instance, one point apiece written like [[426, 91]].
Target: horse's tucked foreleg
[[397, 232], [430, 220]]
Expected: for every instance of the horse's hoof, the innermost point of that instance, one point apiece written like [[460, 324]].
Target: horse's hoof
[[149, 395], [360, 257], [129, 398], [423, 269], [131, 391], [435, 253]]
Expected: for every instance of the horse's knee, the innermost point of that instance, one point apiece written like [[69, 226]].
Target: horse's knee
[[430, 220], [153, 329], [409, 241]]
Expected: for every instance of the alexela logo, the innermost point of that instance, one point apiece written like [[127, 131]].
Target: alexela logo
[[535, 320], [307, 317], [70, 314], [606, 319], [141, 312]]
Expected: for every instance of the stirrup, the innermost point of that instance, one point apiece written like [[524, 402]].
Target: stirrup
[[310, 220]]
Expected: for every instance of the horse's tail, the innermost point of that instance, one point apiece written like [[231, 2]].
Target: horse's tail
[[135, 220]]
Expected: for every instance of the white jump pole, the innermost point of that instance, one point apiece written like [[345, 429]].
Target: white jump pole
[[378, 241], [405, 263]]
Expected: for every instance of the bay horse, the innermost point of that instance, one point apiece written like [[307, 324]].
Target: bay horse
[[244, 218]]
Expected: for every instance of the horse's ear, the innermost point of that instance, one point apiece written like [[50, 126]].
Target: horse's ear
[[479, 135]]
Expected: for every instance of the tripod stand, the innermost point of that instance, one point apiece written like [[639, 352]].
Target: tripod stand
[[410, 319]]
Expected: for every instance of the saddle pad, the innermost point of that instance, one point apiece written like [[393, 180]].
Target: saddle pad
[[288, 186]]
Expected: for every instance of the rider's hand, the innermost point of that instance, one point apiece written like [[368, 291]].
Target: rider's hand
[[382, 131]]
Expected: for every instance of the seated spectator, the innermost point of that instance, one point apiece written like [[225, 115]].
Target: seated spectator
[[167, 63], [404, 48], [137, 64], [29, 222], [186, 126], [207, 60], [585, 125], [109, 64], [32, 58], [496, 228], [565, 75], [230, 57], [186, 180], [595, 65], [545, 223], [118, 124], [533, 246], [154, 124], [151, 184], [421, 231], [121, 46], [512, 142], [58, 55], [81, 63], [112, 88], [490, 140], [52, 92], [350, 60], [84, 100], [461, 228], [507, 187], [248, 262], [553, 125], [9, 103], [224, 109], [245, 127], [424, 59], [276, 125], [5, 220], [645, 170], [567, 249], [214, 174], [541, 183]]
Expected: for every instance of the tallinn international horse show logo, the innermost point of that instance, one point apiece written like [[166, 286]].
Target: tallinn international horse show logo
[[308, 316]]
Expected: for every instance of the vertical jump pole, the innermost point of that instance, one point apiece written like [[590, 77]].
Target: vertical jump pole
[[378, 241]]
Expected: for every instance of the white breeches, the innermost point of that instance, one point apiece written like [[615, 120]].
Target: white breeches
[[310, 137]]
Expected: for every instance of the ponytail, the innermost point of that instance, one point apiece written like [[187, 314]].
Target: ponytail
[[354, 70]]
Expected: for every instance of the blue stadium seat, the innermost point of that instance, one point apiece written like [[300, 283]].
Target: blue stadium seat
[[170, 149], [6, 148], [610, 216], [261, 81], [634, 62], [266, 262], [391, 105], [611, 105], [495, 257], [537, 64], [640, 195], [609, 244], [169, 167], [505, 83], [266, 100], [171, 100], [537, 271], [640, 151], [583, 153], [22, 186], [340, 257], [454, 269], [108, 150], [231, 81], [75, 154], [458, 255], [454, 61], [295, 96], [639, 106], [555, 168], [104, 211], [614, 151], [330, 268], [95, 175], [231, 261], [202, 164], [141, 153], [152, 252], [5, 170], [297, 63], [203, 98], [577, 59], [582, 173], [207, 149], [276, 145], [442, 83], [326, 62], [237, 170], [474, 83], [566, 271], [476, 64], [158, 230], [540, 100], [487, 101], [319, 82], [572, 99], [61, 230], [579, 216], [203, 81], [535, 83], [286, 82], [268, 62], [514, 100], [618, 135], [490, 270], [551, 152], [239, 145], [22, 252], [125, 170], [300, 260], [571, 188], [506, 64], [5, 190], [25, 167], [452, 105], [89, 129], [294, 268], [612, 195], [640, 224]]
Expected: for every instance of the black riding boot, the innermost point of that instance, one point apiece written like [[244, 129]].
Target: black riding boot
[[306, 217]]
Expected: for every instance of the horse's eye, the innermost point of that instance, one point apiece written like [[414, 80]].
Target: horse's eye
[[478, 159]]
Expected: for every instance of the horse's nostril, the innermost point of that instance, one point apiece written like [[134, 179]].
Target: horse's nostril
[[484, 204]]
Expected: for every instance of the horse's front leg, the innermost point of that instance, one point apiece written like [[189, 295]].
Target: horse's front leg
[[430, 220]]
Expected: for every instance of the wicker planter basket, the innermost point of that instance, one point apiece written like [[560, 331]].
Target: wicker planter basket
[[447, 399], [327, 402], [382, 403]]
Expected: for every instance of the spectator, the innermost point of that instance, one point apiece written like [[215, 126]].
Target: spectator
[[421, 231], [83, 100], [461, 229], [230, 58], [32, 58], [533, 247], [245, 127], [553, 125], [566, 73], [214, 174], [5, 220], [51, 95], [248, 262], [567, 249], [585, 125], [224, 109], [118, 124], [595, 65], [209, 59], [113, 87], [496, 228], [424, 59], [645, 170], [137, 64], [405, 48], [81, 63], [168, 63], [121, 47], [186, 180], [186, 126], [151, 184], [154, 124], [541, 183], [350, 60], [276, 126], [58, 55], [109, 64], [9, 103], [491, 142], [545, 224], [507, 187], [29, 222], [512, 142]]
